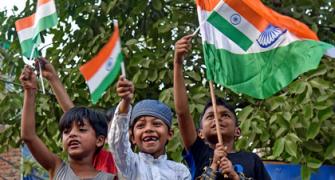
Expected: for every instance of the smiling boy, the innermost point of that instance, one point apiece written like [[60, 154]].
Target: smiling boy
[[150, 130]]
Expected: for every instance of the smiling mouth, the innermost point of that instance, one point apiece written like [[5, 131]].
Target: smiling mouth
[[150, 139], [74, 143]]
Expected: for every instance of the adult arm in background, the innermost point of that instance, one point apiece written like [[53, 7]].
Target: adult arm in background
[[185, 120], [49, 73]]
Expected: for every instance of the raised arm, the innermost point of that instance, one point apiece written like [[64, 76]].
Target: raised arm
[[185, 121], [46, 158], [49, 73], [118, 137]]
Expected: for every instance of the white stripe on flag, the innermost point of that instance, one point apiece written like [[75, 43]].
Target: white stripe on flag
[[242, 25], [42, 11], [100, 75], [213, 36]]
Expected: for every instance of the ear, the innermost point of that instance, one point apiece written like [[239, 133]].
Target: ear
[[131, 137], [100, 141], [201, 134], [170, 134], [237, 132]]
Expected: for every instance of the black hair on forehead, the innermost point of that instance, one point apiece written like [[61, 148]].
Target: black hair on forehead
[[219, 102], [96, 119]]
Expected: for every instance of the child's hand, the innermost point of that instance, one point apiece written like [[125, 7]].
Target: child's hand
[[124, 89], [226, 167], [182, 47], [48, 71], [219, 153], [28, 78]]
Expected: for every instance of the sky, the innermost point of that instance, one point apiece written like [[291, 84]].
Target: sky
[[9, 4]]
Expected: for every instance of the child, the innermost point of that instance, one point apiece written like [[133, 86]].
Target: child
[[210, 156], [103, 160], [83, 134], [150, 130]]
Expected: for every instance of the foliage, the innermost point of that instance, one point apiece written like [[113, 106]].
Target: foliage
[[294, 126]]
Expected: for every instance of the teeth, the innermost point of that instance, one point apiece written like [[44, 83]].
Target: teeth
[[146, 139]]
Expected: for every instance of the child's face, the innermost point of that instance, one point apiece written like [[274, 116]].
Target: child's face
[[150, 135], [227, 124], [80, 140]]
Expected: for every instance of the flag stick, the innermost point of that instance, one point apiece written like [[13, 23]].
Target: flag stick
[[123, 70], [41, 77], [217, 123], [196, 31]]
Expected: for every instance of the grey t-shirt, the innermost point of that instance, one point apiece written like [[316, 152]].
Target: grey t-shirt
[[64, 172]]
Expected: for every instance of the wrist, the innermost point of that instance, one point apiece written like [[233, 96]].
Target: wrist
[[235, 176], [52, 78]]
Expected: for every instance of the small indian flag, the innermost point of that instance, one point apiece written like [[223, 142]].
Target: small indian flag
[[28, 28], [251, 49], [104, 68]]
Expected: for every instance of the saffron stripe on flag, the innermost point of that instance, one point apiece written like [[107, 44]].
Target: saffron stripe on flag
[[249, 14], [93, 65], [105, 68], [229, 30]]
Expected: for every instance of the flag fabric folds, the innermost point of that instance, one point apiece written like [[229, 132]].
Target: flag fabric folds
[[254, 50], [28, 28], [104, 68]]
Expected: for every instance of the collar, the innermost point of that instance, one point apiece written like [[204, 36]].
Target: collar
[[150, 158]]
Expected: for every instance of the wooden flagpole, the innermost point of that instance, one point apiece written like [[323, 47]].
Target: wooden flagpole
[[217, 123]]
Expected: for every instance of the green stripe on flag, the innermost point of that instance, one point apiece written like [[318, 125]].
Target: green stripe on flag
[[261, 75], [46, 22], [229, 30], [27, 45], [95, 96]]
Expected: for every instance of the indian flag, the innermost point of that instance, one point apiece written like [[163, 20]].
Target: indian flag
[[254, 50], [104, 68], [28, 28]]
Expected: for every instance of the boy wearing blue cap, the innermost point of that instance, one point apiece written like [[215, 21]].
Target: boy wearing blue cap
[[149, 125]]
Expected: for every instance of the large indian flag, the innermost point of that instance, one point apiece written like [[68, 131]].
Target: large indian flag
[[28, 28], [254, 50], [104, 68]]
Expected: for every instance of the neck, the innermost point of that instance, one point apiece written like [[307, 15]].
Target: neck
[[229, 143], [83, 167]]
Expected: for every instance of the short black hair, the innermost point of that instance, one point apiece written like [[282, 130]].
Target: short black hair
[[110, 114], [97, 119], [219, 102]]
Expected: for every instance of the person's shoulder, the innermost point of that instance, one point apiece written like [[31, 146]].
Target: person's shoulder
[[176, 165], [105, 176], [245, 155]]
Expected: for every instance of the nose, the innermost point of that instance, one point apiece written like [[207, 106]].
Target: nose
[[73, 133], [148, 128]]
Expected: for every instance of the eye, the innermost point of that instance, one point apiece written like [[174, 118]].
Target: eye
[[139, 125], [66, 131], [157, 123], [82, 129], [210, 116], [226, 115]]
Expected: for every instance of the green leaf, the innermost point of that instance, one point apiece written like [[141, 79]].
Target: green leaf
[[313, 146], [313, 163], [330, 151], [157, 4], [313, 130], [306, 172], [308, 111], [244, 114], [291, 147], [278, 147]]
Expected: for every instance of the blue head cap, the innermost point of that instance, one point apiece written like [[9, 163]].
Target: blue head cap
[[153, 108]]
